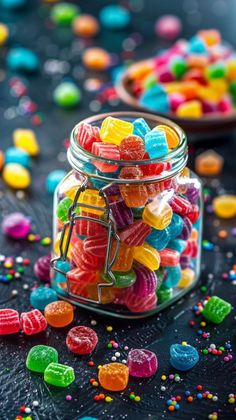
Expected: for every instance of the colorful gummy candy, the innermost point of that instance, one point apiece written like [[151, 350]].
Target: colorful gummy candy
[[59, 314], [86, 26], [9, 321], [113, 376], [40, 356], [59, 375], [41, 297], [156, 221], [33, 322], [191, 79], [81, 340], [16, 225], [216, 309], [183, 356], [42, 268], [142, 363]]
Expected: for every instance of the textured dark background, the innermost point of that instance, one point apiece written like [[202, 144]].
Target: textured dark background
[[18, 386]]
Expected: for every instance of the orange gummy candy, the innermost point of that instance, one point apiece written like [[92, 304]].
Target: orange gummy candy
[[59, 314], [209, 163], [113, 376], [124, 258]]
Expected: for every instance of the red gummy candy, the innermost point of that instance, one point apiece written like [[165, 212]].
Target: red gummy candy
[[32, 322], [180, 205], [169, 257], [152, 169], [81, 340], [96, 245], [194, 214], [106, 151], [87, 135], [83, 259], [135, 234], [89, 227], [9, 321], [79, 280], [132, 148], [191, 249]]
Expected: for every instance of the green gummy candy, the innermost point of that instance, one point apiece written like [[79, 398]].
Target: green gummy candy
[[39, 357], [123, 279], [164, 295], [67, 95], [216, 71], [178, 67], [216, 309], [64, 13], [150, 81], [63, 208], [59, 375], [160, 277]]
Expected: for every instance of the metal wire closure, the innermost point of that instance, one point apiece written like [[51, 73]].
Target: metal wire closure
[[108, 223]]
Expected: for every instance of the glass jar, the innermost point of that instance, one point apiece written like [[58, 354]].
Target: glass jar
[[125, 244]]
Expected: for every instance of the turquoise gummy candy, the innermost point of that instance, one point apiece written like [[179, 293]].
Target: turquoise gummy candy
[[197, 46], [39, 357], [63, 209], [156, 144], [114, 17], [53, 179], [158, 239], [41, 297], [155, 99], [16, 155], [177, 245], [59, 375], [183, 357], [176, 226], [141, 128], [22, 59], [216, 309], [173, 276]]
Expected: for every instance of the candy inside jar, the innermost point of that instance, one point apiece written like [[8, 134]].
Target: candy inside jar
[[127, 218]]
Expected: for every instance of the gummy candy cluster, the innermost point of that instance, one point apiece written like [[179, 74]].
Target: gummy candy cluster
[[157, 221], [191, 79]]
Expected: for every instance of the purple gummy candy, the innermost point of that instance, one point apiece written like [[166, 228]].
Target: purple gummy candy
[[146, 281], [42, 268], [192, 193], [122, 214], [187, 229], [185, 262], [142, 363], [16, 225]]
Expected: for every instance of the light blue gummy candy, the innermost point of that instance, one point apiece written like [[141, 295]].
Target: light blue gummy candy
[[156, 144], [41, 297], [23, 60], [176, 226], [53, 179], [155, 99], [16, 155], [158, 239], [197, 46], [141, 127], [63, 266], [173, 276], [183, 357], [13, 4], [177, 244], [87, 418], [114, 17]]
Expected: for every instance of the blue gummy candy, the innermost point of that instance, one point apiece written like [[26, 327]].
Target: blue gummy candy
[[23, 60], [158, 239], [155, 99], [15, 155], [176, 226], [53, 179], [197, 46], [41, 297], [13, 4], [177, 244], [183, 357], [63, 266], [114, 17], [141, 128], [156, 144], [173, 276]]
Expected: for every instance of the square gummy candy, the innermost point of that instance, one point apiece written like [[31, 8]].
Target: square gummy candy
[[114, 130], [9, 321], [39, 357], [156, 143], [59, 375], [216, 309]]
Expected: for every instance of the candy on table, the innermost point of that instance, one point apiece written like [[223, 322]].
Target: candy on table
[[16, 225], [4, 33], [41, 297], [209, 163], [187, 229], [173, 276], [187, 278], [140, 304], [142, 363], [164, 294], [113, 376], [81, 340], [9, 321], [132, 148], [13, 4], [80, 279], [53, 179], [59, 314], [123, 279], [147, 255], [134, 195], [158, 239], [183, 356], [26, 139], [114, 17], [86, 26], [168, 26], [16, 176], [84, 259], [67, 95], [122, 214], [224, 206], [42, 268], [64, 13], [168, 257], [40, 356], [17, 155], [156, 143], [96, 59], [114, 130], [92, 198], [124, 258], [33, 322], [141, 128], [135, 234], [216, 309], [158, 213], [172, 137], [105, 151], [176, 226], [59, 375], [22, 60], [86, 135], [146, 281]]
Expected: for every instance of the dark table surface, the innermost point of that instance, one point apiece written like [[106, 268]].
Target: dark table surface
[[31, 27]]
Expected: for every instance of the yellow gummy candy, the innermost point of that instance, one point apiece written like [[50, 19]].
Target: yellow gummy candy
[[225, 206], [187, 277], [57, 243], [4, 33], [16, 176], [26, 140], [191, 109], [92, 198], [231, 69], [148, 256], [114, 130], [158, 214], [219, 85]]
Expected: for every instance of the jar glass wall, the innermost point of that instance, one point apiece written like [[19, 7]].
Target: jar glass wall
[[127, 234]]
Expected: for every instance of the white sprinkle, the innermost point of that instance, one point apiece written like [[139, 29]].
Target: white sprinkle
[[215, 398], [93, 322], [27, 410], [163, 388], [126, 348], [35, 403], [212, 346], [17, 275], [124, 361], [25, 286], [117, 354], [14, 292], [113, 359], [19, 260]]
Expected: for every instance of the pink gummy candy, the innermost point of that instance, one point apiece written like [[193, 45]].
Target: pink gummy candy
[[16, 225], [32, 322], [42, 268], [142, 363], [9, 321], [168, 26]]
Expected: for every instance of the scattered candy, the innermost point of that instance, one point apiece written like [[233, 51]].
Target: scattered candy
[[142, 363], [42, 268], [22, 60], [64, 13], [209, 163], [67, 95], [16, 176], [39, 357], [96, 59], [113, 376], [32, 322], [216, 309], [41, 297], [86, 26], [16, 225], [224, 206], [53, 179], [59, 375], [81, 340], [59, 314], [26, 139], [168, 27], [114, 17], [9, 321], [183, 356]]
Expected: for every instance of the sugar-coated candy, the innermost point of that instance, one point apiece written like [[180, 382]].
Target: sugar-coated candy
[[177, 244], [59, 375], [164, 294], [86, 26], [187, 229], [91, 198], [81, 340], [53, 179], [59, 314], [16, 225], [191, 109], [42, 268], [168, 257], [26, 139], [124, 258], [114, 130], [86, 135], [173, 276], [209, 163], [113, 376], [216, 309], [9, 321], [114, 17], [96, 59], [132, 148], [122, 214], [135, 234], [41, 297], [16, 176], [63, 209], [140, 304], [33, 322], [122, 279], [84, 259], [146, 281], [96, 245], [187, 277], [224, 206], [158, 239], [142, 363], [172, 137], [105, 151], [64, 13], [147, 255], [67, 95], [158, 213], [40, 356], [134, 195], [17, 155], [156, 143], [155, 99], [183, 357], [176, 226], [141, 127], [22, 60]]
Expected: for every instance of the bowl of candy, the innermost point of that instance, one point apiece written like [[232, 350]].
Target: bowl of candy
[[193, 82]]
